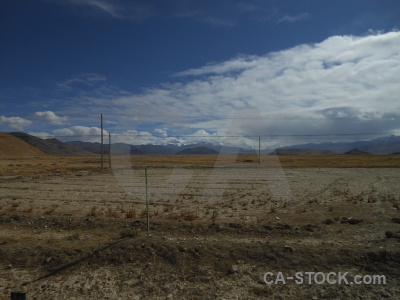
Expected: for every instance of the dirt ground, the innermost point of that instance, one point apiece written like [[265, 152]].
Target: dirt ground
[[71, 231]]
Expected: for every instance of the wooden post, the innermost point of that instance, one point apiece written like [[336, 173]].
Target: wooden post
[[259, 149]]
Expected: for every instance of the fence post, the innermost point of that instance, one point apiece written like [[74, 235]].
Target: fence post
[[109, 148], [147, 203]]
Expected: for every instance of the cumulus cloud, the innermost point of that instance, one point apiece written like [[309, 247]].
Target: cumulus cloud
[[15, 122], [82, 133], [344, 84], [135, 137], [51, 116], [162, 131]]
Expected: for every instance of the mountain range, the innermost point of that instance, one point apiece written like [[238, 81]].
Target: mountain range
[[169, 149], [383, 145]]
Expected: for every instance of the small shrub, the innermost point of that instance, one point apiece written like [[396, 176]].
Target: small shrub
[[174, 216], [15, 204], [49, 211], [189, 216], [167, 208], [131, 213], [214, 215], [74, 236], [93, 212], [111, 213], [129, 233], [143, 213]]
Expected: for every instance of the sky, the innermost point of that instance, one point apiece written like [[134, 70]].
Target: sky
[[184, 71]]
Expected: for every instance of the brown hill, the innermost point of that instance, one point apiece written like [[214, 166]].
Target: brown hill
[[50, 146], [12, 146]]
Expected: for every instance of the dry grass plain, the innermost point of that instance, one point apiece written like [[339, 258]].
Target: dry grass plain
[[217, 224], [50, 164]]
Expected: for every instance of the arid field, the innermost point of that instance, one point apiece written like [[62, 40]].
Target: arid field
[[217, 224]]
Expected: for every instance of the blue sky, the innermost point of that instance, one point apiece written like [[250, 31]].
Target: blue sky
[[183, 70]]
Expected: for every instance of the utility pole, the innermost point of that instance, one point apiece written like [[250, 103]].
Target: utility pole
[[259, 149], [101, 147], [109, 148]]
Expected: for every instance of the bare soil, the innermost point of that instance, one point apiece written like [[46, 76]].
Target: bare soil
[[74, 232]]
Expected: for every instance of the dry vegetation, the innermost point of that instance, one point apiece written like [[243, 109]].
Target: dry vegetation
[[69, 164], [286, 161], [71, 231], [47, 164]]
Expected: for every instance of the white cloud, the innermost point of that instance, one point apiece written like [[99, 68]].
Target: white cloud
[[217, 18], [42, 135], [345, 84], [82, 133], [201, 133], [239, 64], [15, 122], [135, 137], [162, 131], [137, 11], [104, 6], [88, 79], [51, 116], [293, 19]]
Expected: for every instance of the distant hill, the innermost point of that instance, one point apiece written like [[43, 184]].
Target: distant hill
[[12, 146], [383, 145], [117, 148], [49, 146], [356, 152], [149, 149], [121, 148], [294, 151], [197, 151], [87, 146]]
